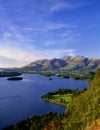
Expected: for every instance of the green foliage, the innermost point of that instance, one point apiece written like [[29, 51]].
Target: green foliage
[[63, 92], [38, 122], [85, 107], [96, 80]]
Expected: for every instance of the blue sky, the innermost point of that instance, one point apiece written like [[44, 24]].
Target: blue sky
[[37, 29]]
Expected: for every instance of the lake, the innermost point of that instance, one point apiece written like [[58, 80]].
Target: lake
[[21, 99]]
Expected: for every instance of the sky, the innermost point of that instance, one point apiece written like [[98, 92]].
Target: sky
[[38, 29]]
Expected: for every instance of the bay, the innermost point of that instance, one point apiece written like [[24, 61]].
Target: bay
[[21, 99]]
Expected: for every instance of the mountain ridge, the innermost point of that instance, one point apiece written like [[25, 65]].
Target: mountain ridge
[[65, 63]]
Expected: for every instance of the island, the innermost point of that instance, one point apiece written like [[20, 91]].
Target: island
[[15, 78], [49, 78]]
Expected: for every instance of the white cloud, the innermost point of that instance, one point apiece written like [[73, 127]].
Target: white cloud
[[59, 52], [58, 5], [70, 52], [54, 26], [18, 57], [46, 26], [49, 43], [69, 36]]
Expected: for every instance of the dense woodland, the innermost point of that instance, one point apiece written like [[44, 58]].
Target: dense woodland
[[82, 113]]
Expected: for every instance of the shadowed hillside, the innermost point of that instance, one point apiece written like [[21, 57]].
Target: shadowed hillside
[[65, 63]]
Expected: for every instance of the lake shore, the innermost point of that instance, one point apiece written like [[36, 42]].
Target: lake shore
[[30, 89]]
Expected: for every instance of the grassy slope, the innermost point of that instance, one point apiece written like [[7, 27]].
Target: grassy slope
[[85, 108], [60, 99]]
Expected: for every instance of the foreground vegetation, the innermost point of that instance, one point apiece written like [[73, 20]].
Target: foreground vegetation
[[84, 108], [82, 113], [47, 121]]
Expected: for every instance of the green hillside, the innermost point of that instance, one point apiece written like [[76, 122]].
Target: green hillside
[[85, 107]]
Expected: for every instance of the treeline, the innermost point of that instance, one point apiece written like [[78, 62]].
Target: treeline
[[63, 92], [88, 75], [74, 74], [9, 73], [49, 121]]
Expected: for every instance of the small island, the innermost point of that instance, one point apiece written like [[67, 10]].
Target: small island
[[15, 78], [49, 78]]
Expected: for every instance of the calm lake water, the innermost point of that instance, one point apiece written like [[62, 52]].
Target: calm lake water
[[21, 99]]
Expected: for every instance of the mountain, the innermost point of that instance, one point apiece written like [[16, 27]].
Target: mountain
[[46, 63], [64, 63]]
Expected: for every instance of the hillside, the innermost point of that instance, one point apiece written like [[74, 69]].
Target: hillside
[[85, 109], [65, 63]]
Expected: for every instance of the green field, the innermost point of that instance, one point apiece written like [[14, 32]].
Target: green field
[[61, 99]]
